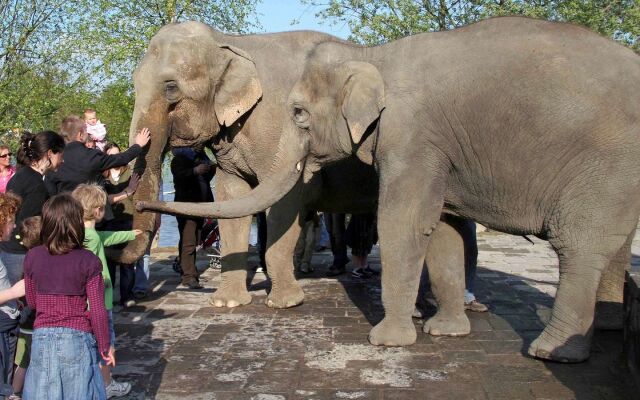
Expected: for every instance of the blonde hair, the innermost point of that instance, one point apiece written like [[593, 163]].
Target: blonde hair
[[90, 196]]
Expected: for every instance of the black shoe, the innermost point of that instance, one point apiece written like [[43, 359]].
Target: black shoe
[[336, 270], [364, 273], [194, 285], [139, 295]]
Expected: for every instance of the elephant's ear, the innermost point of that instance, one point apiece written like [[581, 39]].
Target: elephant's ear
[[363, 97], [238, 89]]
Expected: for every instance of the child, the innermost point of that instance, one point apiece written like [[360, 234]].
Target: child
[[93, 199], [29, 229], [9, 312], [96, 129], [59, 277]]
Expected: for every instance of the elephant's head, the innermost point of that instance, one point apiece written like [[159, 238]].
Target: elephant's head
[[336, 105], [332, 108], [188, 87]]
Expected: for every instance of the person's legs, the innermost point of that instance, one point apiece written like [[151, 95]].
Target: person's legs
[[308, 238], [188, 243], [261, 219], [362, 232], [23, 353], [336, 229], [468, 232], [8, 340], [141, 286], [127, 280], [322, 234]]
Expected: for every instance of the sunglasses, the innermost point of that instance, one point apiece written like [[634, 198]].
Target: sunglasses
[[6, 155]]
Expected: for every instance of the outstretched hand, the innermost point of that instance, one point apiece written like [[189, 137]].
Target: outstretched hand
[[143, 137]]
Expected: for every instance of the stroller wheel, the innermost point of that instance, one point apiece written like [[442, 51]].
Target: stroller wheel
[[176, 266]]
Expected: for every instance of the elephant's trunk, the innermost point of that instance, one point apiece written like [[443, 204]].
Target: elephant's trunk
[[152, 115], [285, 172]]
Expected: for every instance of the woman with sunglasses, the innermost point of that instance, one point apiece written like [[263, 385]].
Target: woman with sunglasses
[[6, 169]]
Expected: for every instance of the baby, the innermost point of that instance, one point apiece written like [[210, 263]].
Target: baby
[[97, 130]]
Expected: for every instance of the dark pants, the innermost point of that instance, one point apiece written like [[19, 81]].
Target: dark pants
[[8, 341], [336, 230], [361, 234], [127, 279], [189, 234], [261, 220]]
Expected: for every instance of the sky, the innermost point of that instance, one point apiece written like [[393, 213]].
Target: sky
[[277, 16]]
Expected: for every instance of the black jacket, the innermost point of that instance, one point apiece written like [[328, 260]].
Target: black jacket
[[28, 184], [189, 186], [83, 165]]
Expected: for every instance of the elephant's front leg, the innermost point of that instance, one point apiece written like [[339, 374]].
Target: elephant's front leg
[[445, 261], [283, 231], [407, 216], [234, 244]]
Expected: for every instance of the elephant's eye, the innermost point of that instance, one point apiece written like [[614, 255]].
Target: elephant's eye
[[171, 91], [301, 117]]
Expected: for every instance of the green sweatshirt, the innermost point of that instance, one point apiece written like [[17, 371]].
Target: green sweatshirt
[[95, 241]]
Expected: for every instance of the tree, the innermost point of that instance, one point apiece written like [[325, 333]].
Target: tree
[[379, 21], [38, 77], [118, 31]]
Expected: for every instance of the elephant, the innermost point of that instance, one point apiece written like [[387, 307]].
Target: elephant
[[198, 87], [527, 126]]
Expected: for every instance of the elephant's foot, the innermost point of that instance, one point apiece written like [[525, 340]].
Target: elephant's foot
[[572, 350], [285, 296], [230, 296], [393, 333], [608, 316], [447, 325]]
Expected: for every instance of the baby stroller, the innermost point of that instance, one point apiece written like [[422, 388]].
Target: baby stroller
[[210, 242]]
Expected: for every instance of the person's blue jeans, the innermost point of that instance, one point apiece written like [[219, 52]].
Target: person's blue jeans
[[142, 274], [64, 366]]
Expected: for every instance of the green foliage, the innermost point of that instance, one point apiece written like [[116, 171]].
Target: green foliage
[[379, 21], [117, 31]]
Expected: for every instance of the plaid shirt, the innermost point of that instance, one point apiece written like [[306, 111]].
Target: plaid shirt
[[69, 310]]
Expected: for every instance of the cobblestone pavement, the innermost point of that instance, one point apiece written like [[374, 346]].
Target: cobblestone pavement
[[175, 345]]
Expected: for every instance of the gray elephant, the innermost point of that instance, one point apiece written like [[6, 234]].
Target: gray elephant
[[527, 126], [198, 87]]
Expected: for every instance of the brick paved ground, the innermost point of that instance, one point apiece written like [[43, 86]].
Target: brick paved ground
[[176, 346]]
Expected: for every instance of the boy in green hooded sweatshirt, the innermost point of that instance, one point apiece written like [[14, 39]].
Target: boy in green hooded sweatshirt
[[94, 199]]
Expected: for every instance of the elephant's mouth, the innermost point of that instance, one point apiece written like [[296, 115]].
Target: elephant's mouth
[[185, 128]]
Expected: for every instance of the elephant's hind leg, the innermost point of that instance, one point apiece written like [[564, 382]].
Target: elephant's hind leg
[[609, 296], [445, 261], [234, 244], [583, 255]]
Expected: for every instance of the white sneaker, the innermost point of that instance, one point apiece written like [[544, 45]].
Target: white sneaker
[[117, 389]]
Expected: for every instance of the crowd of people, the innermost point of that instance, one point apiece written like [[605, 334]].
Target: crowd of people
[[68, 198]]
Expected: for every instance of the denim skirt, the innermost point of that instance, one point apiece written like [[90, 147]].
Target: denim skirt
[[64, 366]]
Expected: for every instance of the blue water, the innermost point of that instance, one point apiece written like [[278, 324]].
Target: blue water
[[169, 227]]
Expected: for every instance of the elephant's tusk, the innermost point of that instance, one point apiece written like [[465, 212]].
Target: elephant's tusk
[[298, 166]]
